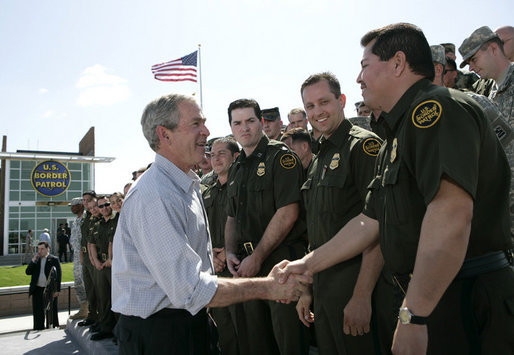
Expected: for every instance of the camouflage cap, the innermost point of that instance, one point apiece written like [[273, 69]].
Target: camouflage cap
[[472, 44], [75, 201], [448, 47], [438, 55]]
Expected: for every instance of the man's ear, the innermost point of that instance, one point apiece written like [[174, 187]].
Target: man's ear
[[399, 62]]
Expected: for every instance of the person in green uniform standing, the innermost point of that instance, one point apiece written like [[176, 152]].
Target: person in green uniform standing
[[443, 222], [264, 226], [334, 193], [102, 237], [88, 200], [223, 153]]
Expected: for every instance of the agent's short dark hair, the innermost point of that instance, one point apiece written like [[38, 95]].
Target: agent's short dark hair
[[333, 83], [244, 103], [229, 142], [406, 38], [44, 243], [297, 134]]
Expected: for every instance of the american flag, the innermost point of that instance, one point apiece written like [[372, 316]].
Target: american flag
[[181, 69]]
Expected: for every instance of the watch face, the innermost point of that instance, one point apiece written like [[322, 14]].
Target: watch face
[[404, 316]]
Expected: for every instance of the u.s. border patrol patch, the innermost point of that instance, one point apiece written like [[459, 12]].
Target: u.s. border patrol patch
[[288, 161], [426, 114], [371, 146]]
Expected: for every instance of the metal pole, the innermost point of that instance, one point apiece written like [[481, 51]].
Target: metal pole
[[200, 72]]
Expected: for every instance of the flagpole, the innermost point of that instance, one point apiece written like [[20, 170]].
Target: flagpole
[[200, 70]]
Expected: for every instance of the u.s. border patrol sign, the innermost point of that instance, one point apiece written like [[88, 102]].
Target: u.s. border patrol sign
[[50, 178]]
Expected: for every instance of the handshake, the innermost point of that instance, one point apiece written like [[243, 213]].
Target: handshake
[[292, 282]]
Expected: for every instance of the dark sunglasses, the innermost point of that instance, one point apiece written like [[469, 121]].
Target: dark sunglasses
[[107, 204]]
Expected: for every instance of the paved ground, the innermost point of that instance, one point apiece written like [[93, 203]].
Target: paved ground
[[17, 337]]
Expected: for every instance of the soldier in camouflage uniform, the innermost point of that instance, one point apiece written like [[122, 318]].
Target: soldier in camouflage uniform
[[464, 80], [483, 51], [75, 238]]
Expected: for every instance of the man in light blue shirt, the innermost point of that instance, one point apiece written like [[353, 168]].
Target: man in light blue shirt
[[162, 275]]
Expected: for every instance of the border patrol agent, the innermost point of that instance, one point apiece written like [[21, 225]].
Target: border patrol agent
[[263, 226]]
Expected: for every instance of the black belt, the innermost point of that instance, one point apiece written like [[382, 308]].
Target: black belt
[[483, 264], [173, 312]]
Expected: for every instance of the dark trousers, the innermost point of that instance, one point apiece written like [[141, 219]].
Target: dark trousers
[[39, 311], [89, 285], [106, 317], [167, 332]]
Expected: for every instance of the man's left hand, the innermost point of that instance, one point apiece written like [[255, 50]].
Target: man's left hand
[[357, 315], [410, 339], [249, 267], [56, 294]]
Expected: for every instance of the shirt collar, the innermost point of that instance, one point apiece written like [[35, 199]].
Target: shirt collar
[[337, 137], [259, 150], [392, 118], [183, 180]]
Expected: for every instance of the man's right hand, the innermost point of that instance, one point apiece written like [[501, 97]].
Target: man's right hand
[[291, 289], [287, 268], [98, 265], [232, 263]]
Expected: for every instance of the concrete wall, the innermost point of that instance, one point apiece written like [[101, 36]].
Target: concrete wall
[[16, 301]]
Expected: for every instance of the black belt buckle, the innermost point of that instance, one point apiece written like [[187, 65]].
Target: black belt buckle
[[248, 247]]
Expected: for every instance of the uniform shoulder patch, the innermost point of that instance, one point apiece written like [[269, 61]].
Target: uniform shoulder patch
[[371, 146], [426, 114], [288, 161]]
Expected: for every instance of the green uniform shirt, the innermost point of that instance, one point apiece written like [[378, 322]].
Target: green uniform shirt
[[87, 229], [260, 184], [337, 180], [103, 233], [434, 132], [215, 202]]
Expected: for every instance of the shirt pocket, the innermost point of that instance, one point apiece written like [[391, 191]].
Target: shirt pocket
[[260, 195], [333, 192], [395, 201]]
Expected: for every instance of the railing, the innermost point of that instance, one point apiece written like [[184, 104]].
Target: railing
[[15, 290]]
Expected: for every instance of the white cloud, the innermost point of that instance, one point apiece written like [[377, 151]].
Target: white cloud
[[100, 88], [55, 115], [43, 91]]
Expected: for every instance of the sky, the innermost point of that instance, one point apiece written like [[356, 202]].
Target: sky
[[68, 65]]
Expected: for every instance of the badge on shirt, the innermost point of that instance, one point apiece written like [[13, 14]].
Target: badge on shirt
[[288, 161], [426, 114], [371, 146], [393, 150], [334, 163], [261, 169]]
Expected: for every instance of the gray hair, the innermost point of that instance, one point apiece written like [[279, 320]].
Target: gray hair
[[161, 112]]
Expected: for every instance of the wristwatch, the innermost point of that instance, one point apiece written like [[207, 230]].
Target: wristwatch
[[406, 317]]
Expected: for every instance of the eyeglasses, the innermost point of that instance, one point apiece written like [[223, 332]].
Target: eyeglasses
[[107, 204]]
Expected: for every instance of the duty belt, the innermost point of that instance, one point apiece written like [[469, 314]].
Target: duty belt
[[483, 264], [84, 250]]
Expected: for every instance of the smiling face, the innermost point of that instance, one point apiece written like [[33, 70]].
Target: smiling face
[[373, 78], [116, 202], [246, 128], [324, 109], [221, 158], [185, 145]]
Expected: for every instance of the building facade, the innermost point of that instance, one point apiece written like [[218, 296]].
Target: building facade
[[37, 188]]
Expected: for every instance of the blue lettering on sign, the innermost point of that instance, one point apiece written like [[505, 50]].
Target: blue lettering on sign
[[50, 178]]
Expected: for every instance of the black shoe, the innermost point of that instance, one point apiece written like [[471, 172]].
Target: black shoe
[[101, 335], [95, 328], [85, 322]]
